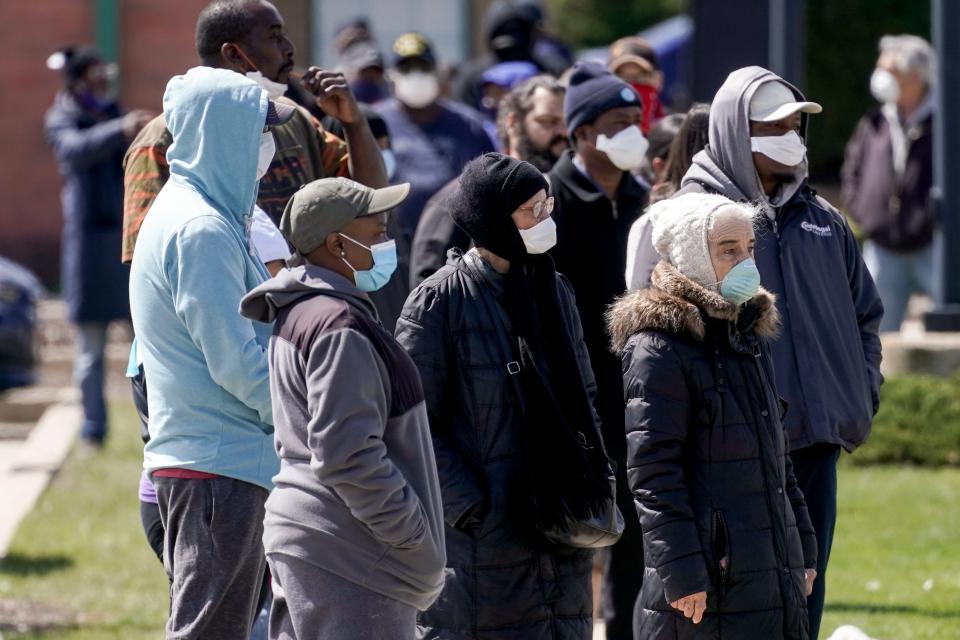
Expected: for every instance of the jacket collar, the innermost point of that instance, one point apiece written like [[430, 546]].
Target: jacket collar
[[677, 305], [566, 173]]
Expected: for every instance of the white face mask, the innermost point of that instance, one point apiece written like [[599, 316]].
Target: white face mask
[[389, 162], [787, 149], [416, 89], [541, 237], [626, 149], [274, 89], [268, 149], [884, 86]]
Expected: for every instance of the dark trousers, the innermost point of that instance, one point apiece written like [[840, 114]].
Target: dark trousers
[[213, 555], [623, 569], [152, 527], [816, 471]]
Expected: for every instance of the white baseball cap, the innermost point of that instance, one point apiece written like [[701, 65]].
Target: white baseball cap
[[774, 101]]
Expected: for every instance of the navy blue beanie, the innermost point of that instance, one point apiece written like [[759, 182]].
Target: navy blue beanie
[[593, 91]]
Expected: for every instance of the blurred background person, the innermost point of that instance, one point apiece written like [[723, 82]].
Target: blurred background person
[[660, 137], [496, 82], [432, 137], [530, 127], [363, 65], [510, 32], [642, 256], [550, 49], [89, 134], [633, 60], [888, 172]]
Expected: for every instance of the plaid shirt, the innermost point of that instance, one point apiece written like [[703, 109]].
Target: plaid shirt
[[305, 152]]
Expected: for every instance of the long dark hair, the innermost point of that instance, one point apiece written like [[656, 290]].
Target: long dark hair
[[691, 138]]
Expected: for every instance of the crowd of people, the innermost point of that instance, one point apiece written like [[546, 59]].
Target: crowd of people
[[413, 352]]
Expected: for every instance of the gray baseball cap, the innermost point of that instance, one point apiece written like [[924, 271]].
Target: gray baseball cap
[[324, 206]]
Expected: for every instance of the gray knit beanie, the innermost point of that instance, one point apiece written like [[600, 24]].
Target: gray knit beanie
[[681, 232]]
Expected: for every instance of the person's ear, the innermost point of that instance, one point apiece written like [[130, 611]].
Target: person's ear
[[511, 122], [334, 244], [586, 133], [657, 80], [232, 56], [657, 164]]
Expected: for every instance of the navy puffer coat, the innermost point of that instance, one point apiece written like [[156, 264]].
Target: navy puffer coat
[[708, 466]]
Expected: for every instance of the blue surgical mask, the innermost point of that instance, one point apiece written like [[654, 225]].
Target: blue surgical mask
[[384, 264], [741, 283]]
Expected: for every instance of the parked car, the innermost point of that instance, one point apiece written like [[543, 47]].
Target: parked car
[[19, 292]]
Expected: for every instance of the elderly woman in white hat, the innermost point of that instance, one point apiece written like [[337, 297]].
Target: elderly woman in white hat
[[728, 541]]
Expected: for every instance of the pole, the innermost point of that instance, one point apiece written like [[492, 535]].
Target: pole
[[945, 18]]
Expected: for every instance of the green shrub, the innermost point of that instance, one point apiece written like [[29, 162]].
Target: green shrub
[[918, 423]]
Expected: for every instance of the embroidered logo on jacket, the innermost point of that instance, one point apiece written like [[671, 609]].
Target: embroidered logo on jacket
[[823, 232]]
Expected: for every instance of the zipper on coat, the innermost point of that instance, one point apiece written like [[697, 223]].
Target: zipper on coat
[[721, 549]]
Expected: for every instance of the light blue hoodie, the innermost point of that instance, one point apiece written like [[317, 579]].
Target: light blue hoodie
[[206, 366]]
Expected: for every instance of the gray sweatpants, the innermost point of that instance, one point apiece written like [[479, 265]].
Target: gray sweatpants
[[213, 555], [312, 604]]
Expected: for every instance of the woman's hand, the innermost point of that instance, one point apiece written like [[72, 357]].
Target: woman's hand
[[693, 606], [810, 575]]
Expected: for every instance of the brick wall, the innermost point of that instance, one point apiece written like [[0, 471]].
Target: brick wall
[[30, 218], [156, 42]]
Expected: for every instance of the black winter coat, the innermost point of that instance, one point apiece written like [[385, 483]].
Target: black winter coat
[[89, 149], [504, 580], [708, 466]]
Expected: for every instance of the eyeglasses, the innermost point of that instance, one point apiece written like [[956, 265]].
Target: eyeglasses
[[541, 208]]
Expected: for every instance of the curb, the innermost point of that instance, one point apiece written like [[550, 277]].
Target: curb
[[25, 475]]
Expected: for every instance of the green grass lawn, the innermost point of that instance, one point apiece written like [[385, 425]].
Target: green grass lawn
[[895, 567], [83, 547], [83, 550]]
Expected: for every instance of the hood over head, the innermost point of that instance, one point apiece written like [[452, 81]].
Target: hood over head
[[290, 285], [726, 164], [216, 118]]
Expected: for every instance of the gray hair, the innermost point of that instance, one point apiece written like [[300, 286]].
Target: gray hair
[[911, 53]]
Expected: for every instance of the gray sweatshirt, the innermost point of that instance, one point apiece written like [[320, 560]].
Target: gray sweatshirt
[[357, 493]]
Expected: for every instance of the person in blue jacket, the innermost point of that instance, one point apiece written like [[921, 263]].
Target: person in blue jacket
[[89, 134], [210, 454]]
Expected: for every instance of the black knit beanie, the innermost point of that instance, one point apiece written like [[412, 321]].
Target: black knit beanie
[[491, 188], [593, 91]]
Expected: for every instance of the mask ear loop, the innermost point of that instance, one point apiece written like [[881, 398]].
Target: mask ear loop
[[246, 58]]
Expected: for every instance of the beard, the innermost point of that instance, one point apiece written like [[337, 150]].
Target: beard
[[542, 158]]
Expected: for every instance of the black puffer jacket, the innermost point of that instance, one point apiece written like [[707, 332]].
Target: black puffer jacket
[[707, 463], [504, 581]]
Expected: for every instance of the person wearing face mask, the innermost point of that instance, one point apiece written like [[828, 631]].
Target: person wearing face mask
[[731, 551], [89, 133], [248, 37], [888, 173], [497, 341], [354, 528], [827, 358], [634, 61], [598, 199], [433, 138], [530, 127], [205, 366]]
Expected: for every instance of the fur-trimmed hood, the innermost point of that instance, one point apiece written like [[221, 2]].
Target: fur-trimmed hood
[[676, 304]]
